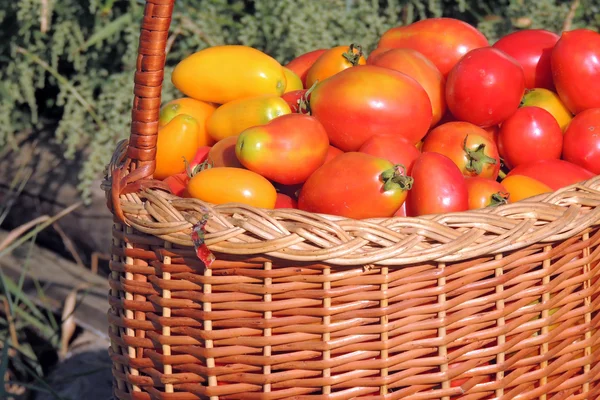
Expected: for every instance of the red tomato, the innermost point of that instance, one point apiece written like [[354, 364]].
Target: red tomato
[[443, 40], [417, 66], [532, 49], [301, 64], [375, 54], [468, 146], [222, 154], [293, 99], [287, 149], [576, 69], [332, 153], [485, 87], [200, 157], [401, 212], [285, 201], [363, 101], [530, 134], [355, 185], [582, 140], [395, 149], [178, 183], [553, 173], [485, 192], [438, 187]]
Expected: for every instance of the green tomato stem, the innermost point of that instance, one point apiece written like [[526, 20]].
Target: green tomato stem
[[477, 158], [498, 199], [352, 57], [396, 178]]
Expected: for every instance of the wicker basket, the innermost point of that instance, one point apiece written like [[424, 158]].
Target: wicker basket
[[500, 303]]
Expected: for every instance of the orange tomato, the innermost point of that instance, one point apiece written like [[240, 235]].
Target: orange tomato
[[232, 185], [301, 64], [421, 69], [333, 61], [232, 118], [199, 110], [222, 154], [177, 140], [220, 74], [522, 187], [549, 101], [293, 81]]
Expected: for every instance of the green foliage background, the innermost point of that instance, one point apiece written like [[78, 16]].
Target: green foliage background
[[69, 64]]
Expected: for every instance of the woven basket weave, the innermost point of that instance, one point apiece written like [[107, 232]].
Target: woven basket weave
[[500, 303]]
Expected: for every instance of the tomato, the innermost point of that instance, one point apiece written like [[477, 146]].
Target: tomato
[[355, 185], [200, 156], [530, 134], [177, 141], [375, 54], [485, 87], [232, 118], [332, 153], [484, 192], [417, 66], [199, 110], [549, 101], [293, 99], [438, 187], [232, 185], [301, 64], [363, 101], [395, 149], [228, 72], [493, 132], [293, 81], [178, 183], [532, 49], [582, 140], [442, 40], [286, 150], [468, 146], [222, 154], [576, 69], [522, 187], [333, 61], [554, 173], [285, 201]]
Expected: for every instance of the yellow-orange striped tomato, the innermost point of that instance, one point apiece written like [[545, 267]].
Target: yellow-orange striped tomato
[[221, 74], [232, 185], [522, 187], [199, 110], [232, 118], [293, 81], [176, 140]]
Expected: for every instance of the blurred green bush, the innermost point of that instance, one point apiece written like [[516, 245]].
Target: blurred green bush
[[69, 64]]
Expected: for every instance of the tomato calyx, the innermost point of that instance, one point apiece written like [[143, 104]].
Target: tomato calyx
[[351, 56], [396, 178], [304, 101], [498, 199], [192, 171], [477, 158]]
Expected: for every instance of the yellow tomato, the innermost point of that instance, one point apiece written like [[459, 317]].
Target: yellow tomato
[[232, 118], [522, 187], [221, 74], [199, 110], [333, 61], [232, 185], [549, 101], [176, 140], [293, 81]]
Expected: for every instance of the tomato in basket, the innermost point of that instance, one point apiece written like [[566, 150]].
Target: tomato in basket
[[293, 81], [549, 101], [177, 141], [222, 154], [553, 173], [484, 192], [199, 110], [332, 61], [522, 187], [293, 99], [301, 64], [396, 149], [582, 140]]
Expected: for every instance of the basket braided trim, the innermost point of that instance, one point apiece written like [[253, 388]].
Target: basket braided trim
[[295, 235]]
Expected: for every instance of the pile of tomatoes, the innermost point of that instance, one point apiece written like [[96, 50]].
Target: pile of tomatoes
[[434, 120]]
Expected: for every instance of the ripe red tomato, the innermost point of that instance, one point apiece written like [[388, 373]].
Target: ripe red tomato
[[332, 153], [301, 64], [375, 54], [576, 69], [178, 183], [417, 66], [553, 173], [438, 187], [222, 154], [395, 149], [582, 140], [443, 40], [355, 185], [287, 149], [363, 101], [285, 201], [470, 147], [485, 192], [485, 87], [532, 48], [530, 134], [293, 99]]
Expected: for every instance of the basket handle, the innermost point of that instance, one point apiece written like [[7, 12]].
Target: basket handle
[[135, 169]]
